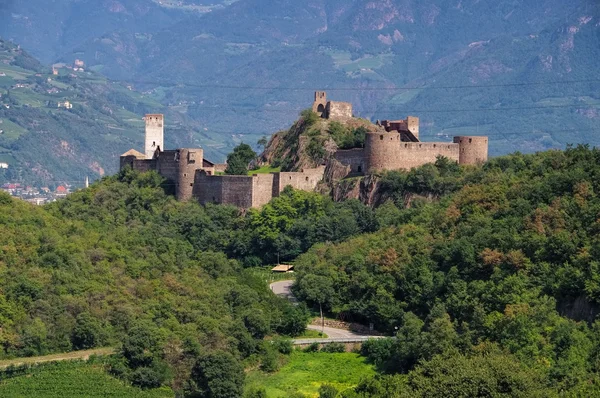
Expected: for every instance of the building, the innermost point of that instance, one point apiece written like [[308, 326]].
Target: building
[[3, 165], [66, 105], [395, 147]]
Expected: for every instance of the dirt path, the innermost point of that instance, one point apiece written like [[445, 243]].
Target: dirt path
[[57, 357]]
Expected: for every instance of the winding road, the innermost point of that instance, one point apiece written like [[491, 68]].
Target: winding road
[[283, 289]]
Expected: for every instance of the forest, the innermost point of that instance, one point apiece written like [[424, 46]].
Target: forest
[[486, 277]]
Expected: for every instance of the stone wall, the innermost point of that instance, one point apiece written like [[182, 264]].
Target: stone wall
[[355, 158], [339, 110], [305, 180], [231, 190], [143, 165], [385, 151], [262, 189]]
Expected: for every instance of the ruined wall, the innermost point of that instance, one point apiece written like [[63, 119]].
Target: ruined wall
[[473, 149], [305, 180], [355, 158], [320, 103], [262, 189], [154, 134], [385, 151], [339, 110]]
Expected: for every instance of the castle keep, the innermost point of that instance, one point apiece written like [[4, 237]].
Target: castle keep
[[396, 145]]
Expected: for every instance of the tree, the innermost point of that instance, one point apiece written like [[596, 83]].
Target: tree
[[318, 289], [327, 391], [87, 332], [238, 160], [263, 142], [218, 375]]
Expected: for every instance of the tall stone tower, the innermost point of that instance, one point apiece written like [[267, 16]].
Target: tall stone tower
[[155, 132]]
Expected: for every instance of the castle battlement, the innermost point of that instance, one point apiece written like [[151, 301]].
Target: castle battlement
[[396, 148]]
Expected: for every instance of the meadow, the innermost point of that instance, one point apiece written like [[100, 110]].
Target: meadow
[[305, 372]]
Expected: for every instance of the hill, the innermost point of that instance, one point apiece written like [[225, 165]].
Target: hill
[[46, 143]]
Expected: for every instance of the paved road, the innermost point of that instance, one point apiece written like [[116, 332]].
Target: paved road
[[283, 289]]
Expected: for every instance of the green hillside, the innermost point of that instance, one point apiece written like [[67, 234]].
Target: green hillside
[[45, 144]]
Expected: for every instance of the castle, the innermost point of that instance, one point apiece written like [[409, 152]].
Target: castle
[[395, 146]]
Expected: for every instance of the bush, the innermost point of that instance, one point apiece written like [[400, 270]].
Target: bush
[[334, 347], [327, 391], [283, 345], [256, 392], [314, 347], [146, 378], [269, 361]]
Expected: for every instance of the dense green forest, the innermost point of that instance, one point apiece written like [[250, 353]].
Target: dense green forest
[[486, 277], [490, 291]]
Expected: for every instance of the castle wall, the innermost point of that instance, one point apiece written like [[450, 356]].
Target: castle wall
[[305, 180], [230, 190], [262, 189], [339, 110], [143, 165], [415, 154], [385, 151], [355, 158], [473, 149], [190, 160], [154, 134]]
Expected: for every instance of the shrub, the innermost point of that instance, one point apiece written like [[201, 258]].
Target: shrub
[[314, 347], [327, 391], [334, 347]]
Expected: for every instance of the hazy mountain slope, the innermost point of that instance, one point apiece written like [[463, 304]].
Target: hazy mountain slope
[[50, 28], [47, 144], [245, 70]]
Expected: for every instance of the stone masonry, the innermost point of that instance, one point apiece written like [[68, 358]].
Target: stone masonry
[[398, 147]]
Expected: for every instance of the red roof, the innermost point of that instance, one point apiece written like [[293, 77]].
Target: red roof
[[61, 189]]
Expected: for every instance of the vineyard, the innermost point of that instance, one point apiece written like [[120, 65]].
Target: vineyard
[[69, 380]]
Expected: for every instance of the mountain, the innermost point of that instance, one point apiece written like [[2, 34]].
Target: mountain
[[521, 72], [57, 129]]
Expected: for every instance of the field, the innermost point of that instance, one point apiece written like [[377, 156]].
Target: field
[[306, 372], [72, 380]]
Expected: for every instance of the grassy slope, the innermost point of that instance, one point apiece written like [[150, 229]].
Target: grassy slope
[[306, 372], [73, 380]]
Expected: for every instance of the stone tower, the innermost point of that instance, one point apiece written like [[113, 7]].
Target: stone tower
[[382, 151], [320, 104], [472, 149], [412, 123], [155, 132], [190, 160]]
